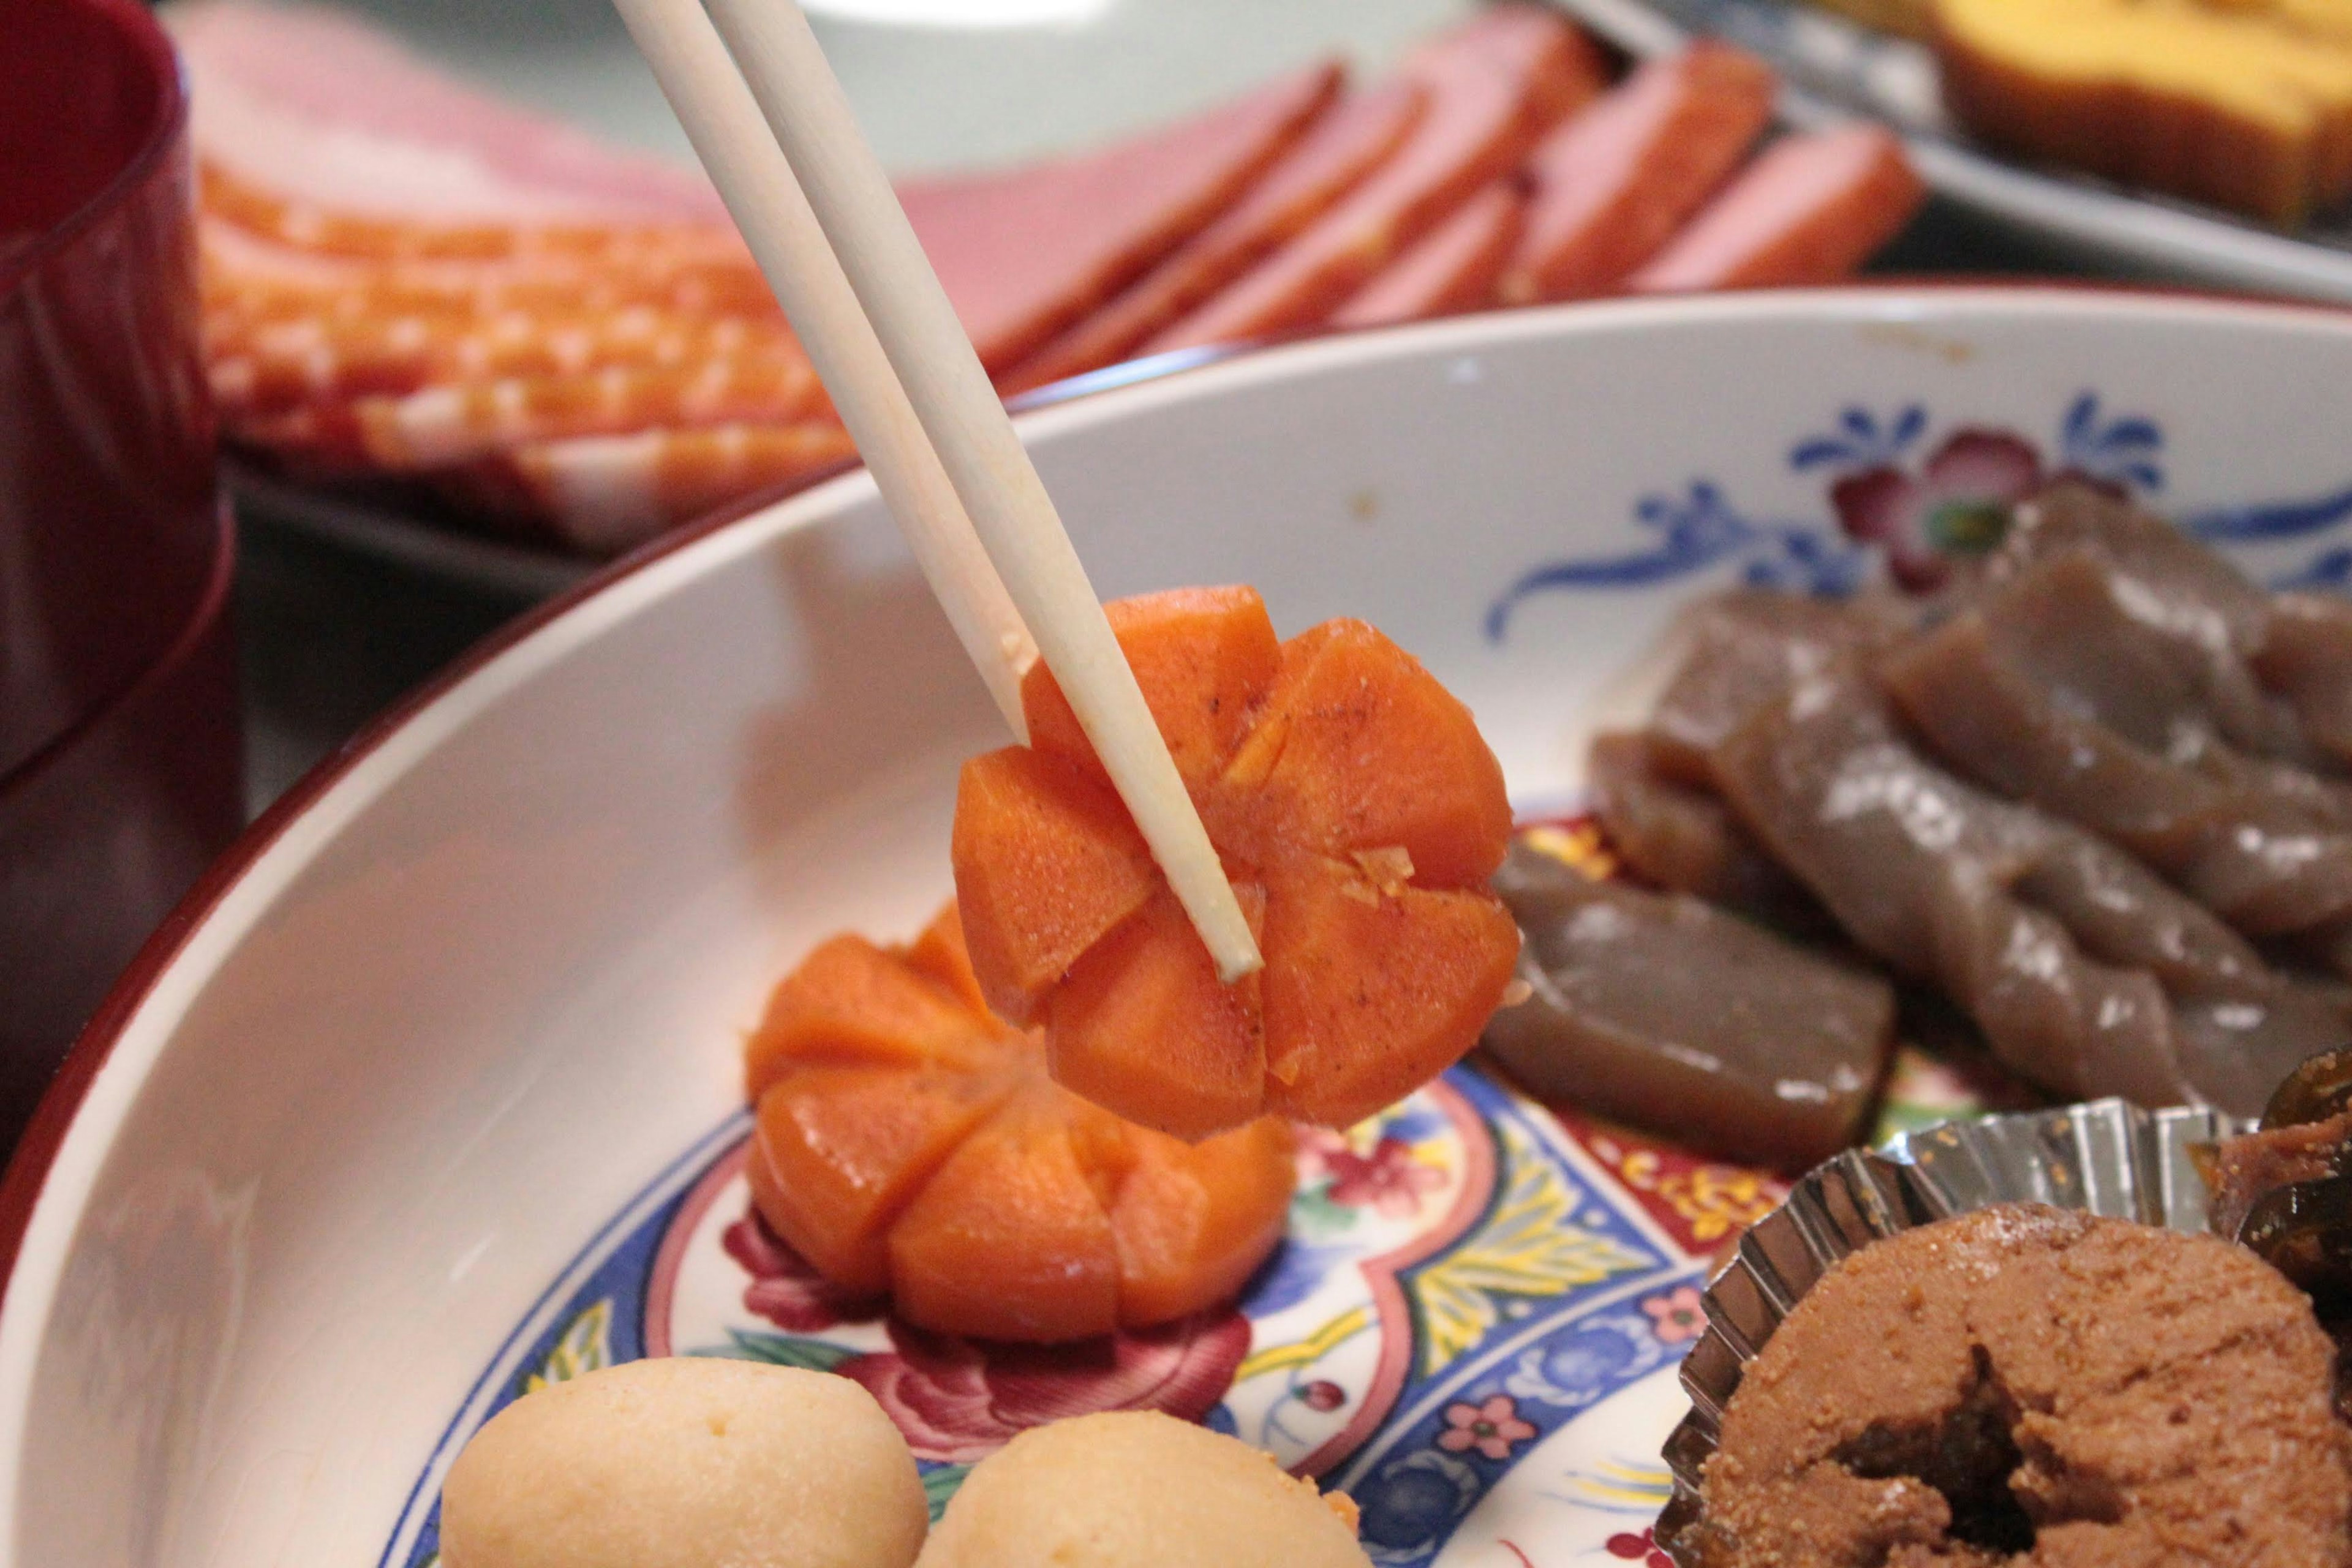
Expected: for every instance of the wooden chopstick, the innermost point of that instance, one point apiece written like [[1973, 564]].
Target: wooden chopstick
[[732, 139], [1002, 497]]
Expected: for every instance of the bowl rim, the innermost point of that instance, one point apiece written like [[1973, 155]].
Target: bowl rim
[[136, 24], [1080, 401]]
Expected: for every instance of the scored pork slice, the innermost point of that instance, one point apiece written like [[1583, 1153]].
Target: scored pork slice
[[2209, 617], [2049, 690], [1494, 85], [1342, 149], [1616, 181], [1665, 1011], [1810, 210], [1676, 833], [2086, 972], [1026, 253], [1450, 269]]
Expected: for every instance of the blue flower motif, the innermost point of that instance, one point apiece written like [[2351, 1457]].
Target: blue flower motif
[[1859, 441], [1586, 1360], [2122, 451], [1410, 1504]]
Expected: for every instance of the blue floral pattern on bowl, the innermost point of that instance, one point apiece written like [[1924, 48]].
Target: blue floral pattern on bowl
[[1908, 498]]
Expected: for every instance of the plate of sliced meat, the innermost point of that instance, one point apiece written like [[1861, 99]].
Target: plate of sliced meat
[[2198, 142], [495, 347]]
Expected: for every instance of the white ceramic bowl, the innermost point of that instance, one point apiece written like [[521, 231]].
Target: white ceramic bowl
[[447, 1047]]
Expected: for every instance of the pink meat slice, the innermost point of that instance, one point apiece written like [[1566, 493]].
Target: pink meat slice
[[1451, 270], [1810, 210], [320, 107], [1615, 182], [1340, 153], [1495, 84], [1026, 253]]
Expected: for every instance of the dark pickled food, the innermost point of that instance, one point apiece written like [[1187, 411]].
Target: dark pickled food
[[2246, 1167], [2049, 690], [2032, 1386], [1665, 1011], [2319, 1090], [2087, 974], [1676, 833]]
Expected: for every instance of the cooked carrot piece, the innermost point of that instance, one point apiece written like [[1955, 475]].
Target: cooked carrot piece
[[1009, 1240], [1371, 991], [1143, 1018], [1194, 1221], [1361, 749], [943, 1165], [1046, 862], [1204, 656], [941, 956], [842, 1149], [850, 1002], [1353, 777]]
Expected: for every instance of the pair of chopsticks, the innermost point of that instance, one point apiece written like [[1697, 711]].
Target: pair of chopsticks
[[813, 203]]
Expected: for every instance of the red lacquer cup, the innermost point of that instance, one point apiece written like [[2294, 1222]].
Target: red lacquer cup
[[120, 769]]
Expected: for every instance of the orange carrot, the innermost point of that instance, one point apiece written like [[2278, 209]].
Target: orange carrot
[[1355, 805]]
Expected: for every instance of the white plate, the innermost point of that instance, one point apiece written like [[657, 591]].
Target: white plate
[[1835, 70], [428, 1071]]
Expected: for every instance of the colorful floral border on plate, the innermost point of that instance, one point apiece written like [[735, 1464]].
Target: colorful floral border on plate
[[1472, 1327]]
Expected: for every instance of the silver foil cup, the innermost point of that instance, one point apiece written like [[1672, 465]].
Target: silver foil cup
[[2106, 1158]]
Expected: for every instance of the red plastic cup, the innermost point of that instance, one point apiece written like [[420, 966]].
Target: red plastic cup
[[120, 758], [107, 488]]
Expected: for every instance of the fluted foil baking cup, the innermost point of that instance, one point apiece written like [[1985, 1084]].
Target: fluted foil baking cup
[[2105, 1157]]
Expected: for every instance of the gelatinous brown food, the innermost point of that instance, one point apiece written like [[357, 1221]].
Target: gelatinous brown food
[[2086, 974], [1665, 1011], [2049, 690], [2027, 1385]]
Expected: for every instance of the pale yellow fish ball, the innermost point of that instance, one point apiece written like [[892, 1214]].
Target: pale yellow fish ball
[[687, 1463], [1137, 1489]]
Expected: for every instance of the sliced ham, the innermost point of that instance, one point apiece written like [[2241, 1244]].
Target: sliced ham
[[1025, 254], [604, 494], [1615, 182], [1810, 210], [324, 109], [1495, 85], [1349, 142], [1451, 268]]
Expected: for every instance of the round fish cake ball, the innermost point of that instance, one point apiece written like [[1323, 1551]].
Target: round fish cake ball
[[686, 1462], [1137, 1490]]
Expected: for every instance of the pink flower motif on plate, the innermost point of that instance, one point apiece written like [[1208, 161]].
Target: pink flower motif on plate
[[1677, 1315], [1387, 1180], [1956, 506], [786, 1288], [1493, 1429], [959, 1400]]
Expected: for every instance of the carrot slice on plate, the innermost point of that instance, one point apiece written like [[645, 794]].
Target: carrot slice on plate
[[850, 1002], [1144, 1015], [840, 1150], [1371, 992], [1358, 748], [1046, 862], [939, 955], [1010, 1239], [1194, 1221], [1352, 770], [1204, 657]]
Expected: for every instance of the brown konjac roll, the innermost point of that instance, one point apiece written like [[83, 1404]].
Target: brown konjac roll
[[1663, 1010], [2038, 1387]]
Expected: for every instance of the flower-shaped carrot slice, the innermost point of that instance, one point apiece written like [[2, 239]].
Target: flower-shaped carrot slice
[[1358, 814], [909, 1141]]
